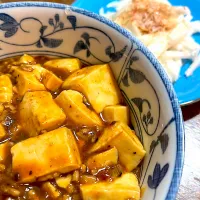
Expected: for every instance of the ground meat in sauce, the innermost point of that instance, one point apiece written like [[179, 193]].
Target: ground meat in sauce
[[10, 188]]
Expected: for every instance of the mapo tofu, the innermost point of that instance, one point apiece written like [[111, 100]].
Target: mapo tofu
[[64, 132]]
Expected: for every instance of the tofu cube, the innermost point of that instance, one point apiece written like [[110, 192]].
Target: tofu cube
[[51, 152], [2, 131], [1, 108], [63, 67], [27, 59], [6, 92], [125, 187], [97, 84], [119, 135], [117, 113], [63, 182], [100, 160], [4, 151], [76, 111], [26, 81], [50, 80], [51, 190], [38, 112]]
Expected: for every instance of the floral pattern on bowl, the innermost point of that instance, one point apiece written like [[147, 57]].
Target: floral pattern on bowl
[[63, 31]]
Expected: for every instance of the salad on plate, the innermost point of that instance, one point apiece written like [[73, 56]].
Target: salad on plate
[[165, 29]]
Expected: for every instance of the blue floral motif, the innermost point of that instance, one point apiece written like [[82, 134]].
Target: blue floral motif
[[135, 76], [84, 44], [49, 42], [158, 175], [147, 119], [9, 25], [115, 56], [72, 20], [163, 140]]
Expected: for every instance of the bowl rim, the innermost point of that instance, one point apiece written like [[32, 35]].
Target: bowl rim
[[180, 133]]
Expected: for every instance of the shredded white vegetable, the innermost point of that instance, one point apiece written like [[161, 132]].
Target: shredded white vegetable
[[170, 46]]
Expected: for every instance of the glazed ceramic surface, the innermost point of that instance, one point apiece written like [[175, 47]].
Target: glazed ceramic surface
[[61, 31]]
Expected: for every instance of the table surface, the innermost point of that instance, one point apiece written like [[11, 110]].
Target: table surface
[[190, 183]]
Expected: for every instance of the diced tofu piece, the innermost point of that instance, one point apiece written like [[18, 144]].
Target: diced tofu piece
[[128, 179], [107, 158], [103, 143], [4, 151], [116, 113], [63, 182], [76, 111], [27, 59], [1, 109], [51, 190], [50, 80], [63, 67], [97, 84], [51, 152], [125, 187], [26, 81], [2, 131], [49, 176], [6, 92], [119, 135], [38, 112], [38, 70]]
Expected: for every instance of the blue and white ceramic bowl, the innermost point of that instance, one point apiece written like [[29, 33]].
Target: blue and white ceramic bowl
[[62, 31]]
